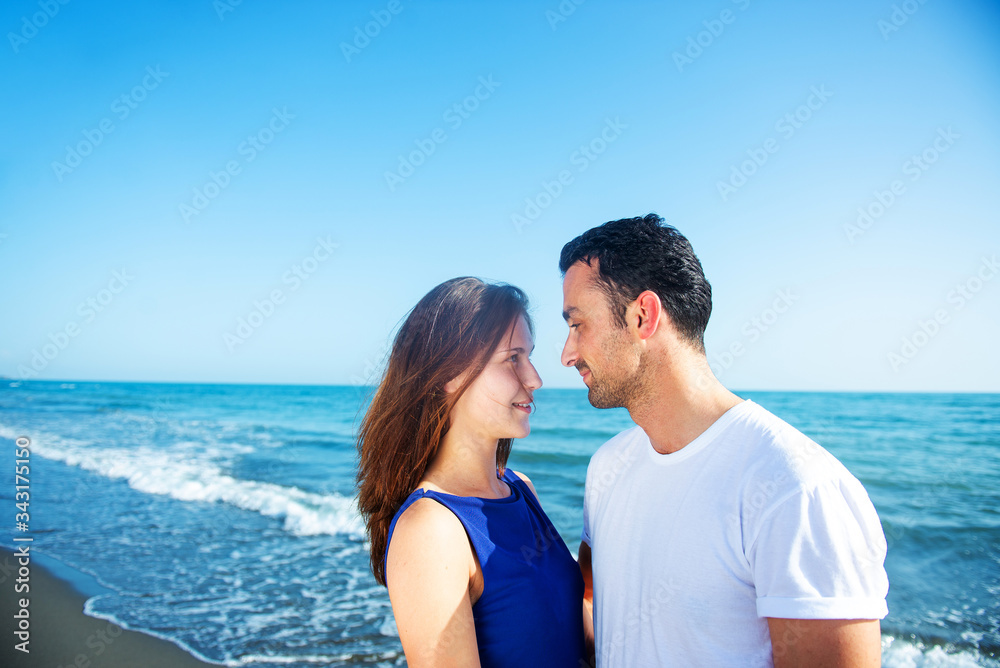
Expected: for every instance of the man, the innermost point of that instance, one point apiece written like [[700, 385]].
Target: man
[[715, 534]]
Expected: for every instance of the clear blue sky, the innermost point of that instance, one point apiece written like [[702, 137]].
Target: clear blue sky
[[117, 114]]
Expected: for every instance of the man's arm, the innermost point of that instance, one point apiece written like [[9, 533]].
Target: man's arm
[[836, 572], [588, 599], [825, 643]]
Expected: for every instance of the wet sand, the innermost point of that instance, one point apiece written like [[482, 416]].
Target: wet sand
[[61, 635]]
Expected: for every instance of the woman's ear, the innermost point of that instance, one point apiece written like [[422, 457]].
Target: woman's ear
[[452, 385]]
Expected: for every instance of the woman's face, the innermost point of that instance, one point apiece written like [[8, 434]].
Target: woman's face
[[496, 405]]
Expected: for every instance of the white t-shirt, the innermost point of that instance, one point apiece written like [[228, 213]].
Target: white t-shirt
[[692, 551]]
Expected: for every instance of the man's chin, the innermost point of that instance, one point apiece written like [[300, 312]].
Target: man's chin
[[599, 399]]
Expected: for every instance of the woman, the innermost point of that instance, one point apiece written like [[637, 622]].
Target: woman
[[477, 575]]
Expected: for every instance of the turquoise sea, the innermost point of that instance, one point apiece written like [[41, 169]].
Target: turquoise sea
[[221, 516]]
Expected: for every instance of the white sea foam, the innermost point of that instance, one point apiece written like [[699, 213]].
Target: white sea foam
[[899, 653], [278, 659], [188, 472], [90, 612], [388, 627]]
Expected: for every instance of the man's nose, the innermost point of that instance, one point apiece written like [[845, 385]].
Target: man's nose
[[568, 357]]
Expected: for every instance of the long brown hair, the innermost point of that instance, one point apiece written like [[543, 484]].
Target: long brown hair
[[457, 326]]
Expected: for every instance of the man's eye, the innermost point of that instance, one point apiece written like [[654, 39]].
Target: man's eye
[[513, 358]]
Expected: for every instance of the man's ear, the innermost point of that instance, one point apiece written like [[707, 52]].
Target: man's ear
[[645, 313]]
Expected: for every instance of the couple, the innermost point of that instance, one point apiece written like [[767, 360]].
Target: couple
[[714, 534]]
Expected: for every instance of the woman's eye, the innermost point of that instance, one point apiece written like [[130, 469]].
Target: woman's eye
[[513, 358]]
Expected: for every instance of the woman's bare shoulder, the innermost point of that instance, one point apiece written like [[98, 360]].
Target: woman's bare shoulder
[[427, 522], [527, 481], [429, 551]]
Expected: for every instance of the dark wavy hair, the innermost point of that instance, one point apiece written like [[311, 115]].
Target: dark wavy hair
[[457, 326], [638, 254]]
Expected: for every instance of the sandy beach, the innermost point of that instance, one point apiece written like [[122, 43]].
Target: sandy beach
[[63, 636]]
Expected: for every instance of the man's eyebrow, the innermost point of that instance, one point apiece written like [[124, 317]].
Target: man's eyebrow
[[570, 311]]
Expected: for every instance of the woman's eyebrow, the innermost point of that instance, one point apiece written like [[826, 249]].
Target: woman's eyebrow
[[517, 350]]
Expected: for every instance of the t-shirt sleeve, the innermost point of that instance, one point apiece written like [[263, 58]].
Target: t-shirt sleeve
[[587, 491], [819, 554]]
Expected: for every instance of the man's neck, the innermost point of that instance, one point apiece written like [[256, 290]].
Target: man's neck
[[682, 400]]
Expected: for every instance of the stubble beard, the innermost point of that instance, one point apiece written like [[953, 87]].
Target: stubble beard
[[617, 387]]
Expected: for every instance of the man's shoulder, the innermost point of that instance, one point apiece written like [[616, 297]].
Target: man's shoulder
[[623, 444], [613, 460], [775, 449]]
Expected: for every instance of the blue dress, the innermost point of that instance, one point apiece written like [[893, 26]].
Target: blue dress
[[531, 610]]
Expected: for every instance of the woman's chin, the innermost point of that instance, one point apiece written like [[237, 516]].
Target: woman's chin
[[521, 431]]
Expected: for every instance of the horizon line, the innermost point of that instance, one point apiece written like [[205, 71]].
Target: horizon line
[[10, 381]]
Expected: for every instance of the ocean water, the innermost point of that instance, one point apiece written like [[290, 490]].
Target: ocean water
[[221, 517]]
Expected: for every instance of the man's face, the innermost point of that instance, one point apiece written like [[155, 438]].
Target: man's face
[[597, 345]]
